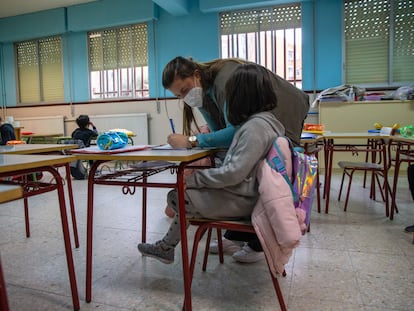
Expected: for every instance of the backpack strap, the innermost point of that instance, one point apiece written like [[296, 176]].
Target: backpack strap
[[277, 163]]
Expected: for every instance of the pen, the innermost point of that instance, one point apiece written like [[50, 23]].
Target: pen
[[172, 125]]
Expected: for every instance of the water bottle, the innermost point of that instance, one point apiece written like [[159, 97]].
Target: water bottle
[[351, 95]]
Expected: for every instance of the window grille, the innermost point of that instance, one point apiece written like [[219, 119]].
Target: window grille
[[118, 62], [269, 36]]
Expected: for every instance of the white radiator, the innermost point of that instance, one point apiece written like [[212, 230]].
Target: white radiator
[[135, 122], [43, 125]]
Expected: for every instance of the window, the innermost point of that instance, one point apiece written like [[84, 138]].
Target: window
[[379, 42], [40, 70], [271, 37], [118, 62]]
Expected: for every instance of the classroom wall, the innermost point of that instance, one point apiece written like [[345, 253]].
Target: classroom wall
[[190, 30]]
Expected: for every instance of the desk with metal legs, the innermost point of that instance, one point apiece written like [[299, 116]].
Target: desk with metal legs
[[138, 178], [46, 149], [21, 165], [331, 146]]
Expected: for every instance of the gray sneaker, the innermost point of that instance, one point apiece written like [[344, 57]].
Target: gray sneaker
[[159, 250]]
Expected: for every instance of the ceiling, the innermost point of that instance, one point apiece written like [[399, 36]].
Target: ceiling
[[18, 7]]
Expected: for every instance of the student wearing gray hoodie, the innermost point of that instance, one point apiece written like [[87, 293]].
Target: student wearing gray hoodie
[[231, 190]]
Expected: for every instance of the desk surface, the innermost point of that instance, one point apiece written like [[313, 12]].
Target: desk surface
[[10, 192], [16, 162], [403, 139], [181, 155], [350, 135], [35, 148], [41, 135]]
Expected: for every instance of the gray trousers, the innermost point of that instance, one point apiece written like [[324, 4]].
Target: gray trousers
[[173, 235]]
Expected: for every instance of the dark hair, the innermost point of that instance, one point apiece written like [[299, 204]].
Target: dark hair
[[82, 120], [249, 90]]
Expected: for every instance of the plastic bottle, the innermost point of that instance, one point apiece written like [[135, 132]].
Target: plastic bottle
[[351, 96]]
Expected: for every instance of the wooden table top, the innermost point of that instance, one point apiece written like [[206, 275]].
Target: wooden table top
[[179, 155], [16, 162], [35, 148], [10, 192], [350, 135], [38, 135]]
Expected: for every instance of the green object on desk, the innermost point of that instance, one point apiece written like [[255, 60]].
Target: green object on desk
[[407, 131]]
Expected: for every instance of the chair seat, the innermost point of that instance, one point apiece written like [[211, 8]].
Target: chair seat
[[359, 165]]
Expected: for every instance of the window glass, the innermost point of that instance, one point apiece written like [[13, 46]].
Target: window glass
[[118, 62], [270, 36]]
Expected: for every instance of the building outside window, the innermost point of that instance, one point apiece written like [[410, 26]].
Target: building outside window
[[40, 70], [118, 62], [271, 37]]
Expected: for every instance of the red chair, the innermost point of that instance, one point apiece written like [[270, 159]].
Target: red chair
[[207, 225], [377, 148]]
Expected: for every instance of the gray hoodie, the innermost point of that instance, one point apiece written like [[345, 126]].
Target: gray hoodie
[[231, 190]]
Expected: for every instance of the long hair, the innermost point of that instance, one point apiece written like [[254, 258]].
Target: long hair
[[248, 91], [185, 67]]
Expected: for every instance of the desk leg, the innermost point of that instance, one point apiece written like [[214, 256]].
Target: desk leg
[[184, 242], [72, 205], [4, 305], [144, 208], [89, 231], [66, 236], [394, 183], [328, 176]]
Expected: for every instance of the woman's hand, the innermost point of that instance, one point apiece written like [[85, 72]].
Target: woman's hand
[[178, 141]]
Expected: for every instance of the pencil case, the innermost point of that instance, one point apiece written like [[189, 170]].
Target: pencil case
[[112, 140]]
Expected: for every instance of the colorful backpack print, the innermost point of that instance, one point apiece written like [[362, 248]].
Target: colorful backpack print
[[302, 184]]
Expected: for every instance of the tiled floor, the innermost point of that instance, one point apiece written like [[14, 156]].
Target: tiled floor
[[354, 260]]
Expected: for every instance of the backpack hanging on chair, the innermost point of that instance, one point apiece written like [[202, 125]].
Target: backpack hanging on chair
[[303, 182]]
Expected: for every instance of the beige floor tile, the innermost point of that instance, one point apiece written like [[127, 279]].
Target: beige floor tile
[[354, 260]]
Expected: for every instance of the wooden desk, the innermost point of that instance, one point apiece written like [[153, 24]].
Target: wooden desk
[[7, 193], [46, 149], [35, 148], [330, 146], [10, 193], [182, 158], [17, 164], [30, 137]]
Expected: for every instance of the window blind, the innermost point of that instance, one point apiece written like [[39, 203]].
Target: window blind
[[280, 17], [123, 47], [40, 70], [379, 45]]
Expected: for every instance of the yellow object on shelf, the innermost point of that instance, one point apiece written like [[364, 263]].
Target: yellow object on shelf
[[127, 132]]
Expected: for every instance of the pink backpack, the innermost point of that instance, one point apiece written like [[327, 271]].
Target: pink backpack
[[303, 180]]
